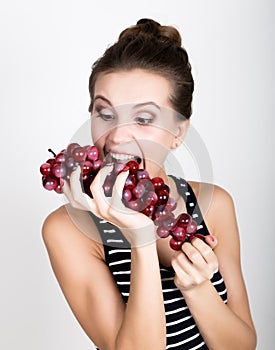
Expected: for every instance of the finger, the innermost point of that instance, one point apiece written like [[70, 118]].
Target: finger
[[118, 191], [194, 265], [206, 253], [96, 187], [193, 253], [179, 265], [68, 194], [211, 241], [120, 182], [78, 196], [75, 185], [184, 270]]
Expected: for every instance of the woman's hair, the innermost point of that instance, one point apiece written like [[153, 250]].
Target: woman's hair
[[155, 48]]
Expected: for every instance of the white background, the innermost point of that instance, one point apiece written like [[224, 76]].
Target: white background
[[47, 49]]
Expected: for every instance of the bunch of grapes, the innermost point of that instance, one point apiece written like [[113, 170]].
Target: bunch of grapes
[[140, 193], [59, 168]]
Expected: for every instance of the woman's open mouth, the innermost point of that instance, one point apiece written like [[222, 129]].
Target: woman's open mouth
[[124, 158]]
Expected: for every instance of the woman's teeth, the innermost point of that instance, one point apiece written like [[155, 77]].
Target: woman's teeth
[[123, 157]]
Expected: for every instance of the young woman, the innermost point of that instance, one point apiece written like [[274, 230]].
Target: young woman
[[127, 289]]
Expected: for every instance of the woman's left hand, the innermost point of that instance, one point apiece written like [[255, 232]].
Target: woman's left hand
[[195, 263]]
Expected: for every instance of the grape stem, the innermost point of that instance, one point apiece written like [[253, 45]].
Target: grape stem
[[50, 150]]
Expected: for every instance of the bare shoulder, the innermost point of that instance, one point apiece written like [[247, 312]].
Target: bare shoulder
[[54, 219], [216, 204], [68, 226]]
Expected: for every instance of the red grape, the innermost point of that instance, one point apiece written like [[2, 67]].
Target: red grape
[[162, 196], [92, 153], [130, 182], [139, 190], [70, 163], [179, 234], [133, 166], [174, 244], [87, 167], [59, 170], [50, 182], [162, 232], [71, 148], [134, 205], [45, 169], [169, 222], [142, 174], [58, 188], [79, 154], [61, 158], [171, 204], [148, 211], [160, 211], [158, 183], [191, 227], [51, 161], [96, 165], [152, 198], [127, 195], [108, 185], [183, 220]]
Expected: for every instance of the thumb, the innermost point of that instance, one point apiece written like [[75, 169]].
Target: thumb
[[120, 182], [211, 241]]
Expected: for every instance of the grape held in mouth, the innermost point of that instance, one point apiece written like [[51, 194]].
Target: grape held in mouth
[[140, 193]]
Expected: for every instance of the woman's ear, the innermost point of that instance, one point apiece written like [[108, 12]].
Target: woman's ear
[[181, 132]]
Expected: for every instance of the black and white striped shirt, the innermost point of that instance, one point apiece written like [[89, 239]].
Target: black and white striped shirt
[[182, 332]]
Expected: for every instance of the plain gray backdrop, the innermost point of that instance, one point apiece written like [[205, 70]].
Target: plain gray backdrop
[[47, 49]]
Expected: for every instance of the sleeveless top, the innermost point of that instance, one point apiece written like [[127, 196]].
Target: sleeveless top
[[182, 332]]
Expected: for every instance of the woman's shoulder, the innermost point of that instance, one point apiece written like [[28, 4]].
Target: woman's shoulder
[[57, 219], [215, 202], [68, 226], [217, 192], [56, 215]]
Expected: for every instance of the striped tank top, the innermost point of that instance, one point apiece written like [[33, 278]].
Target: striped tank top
[[181, 330]]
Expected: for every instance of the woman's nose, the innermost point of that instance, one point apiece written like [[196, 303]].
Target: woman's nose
[[120, 134]]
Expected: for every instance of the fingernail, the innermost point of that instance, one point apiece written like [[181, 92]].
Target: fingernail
[[212, 238], [126, 168]]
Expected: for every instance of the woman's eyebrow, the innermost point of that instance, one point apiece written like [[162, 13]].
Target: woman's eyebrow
[[149, 103], [102, 98], [138, 105]]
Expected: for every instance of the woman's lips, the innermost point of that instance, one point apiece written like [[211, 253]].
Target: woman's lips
[[121, 157]]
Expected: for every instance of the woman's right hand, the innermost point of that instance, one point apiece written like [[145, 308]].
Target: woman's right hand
[[137, 228]]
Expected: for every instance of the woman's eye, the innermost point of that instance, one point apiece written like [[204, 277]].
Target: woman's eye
[[144, 119], [104, 113], [106, 117]]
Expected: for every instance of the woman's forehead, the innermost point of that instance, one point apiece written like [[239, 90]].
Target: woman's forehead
[[135, 86]]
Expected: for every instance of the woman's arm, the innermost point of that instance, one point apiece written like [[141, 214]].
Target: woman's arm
[[144, 325], [222, 326], [93, 296]]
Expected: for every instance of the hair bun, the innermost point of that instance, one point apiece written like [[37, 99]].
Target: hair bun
[[148, 26], [151, 28]]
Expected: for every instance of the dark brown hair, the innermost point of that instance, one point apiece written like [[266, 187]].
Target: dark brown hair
[[155, 48]]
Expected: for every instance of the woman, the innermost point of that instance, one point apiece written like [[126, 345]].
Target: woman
[[127, 289]]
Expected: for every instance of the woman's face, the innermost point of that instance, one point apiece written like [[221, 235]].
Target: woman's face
[[133, 117]]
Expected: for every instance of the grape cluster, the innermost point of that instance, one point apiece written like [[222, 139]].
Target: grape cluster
[[140, 193], [151, 197], [59, 168]]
